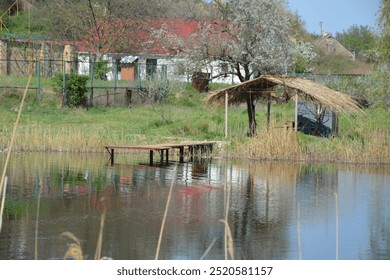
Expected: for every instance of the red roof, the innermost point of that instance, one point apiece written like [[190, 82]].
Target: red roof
[[150, 36]]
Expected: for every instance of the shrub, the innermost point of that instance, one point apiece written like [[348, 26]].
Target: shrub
[[101, 69], [76, 88]]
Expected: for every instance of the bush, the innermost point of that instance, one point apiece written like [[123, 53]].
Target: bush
[[100, 70], [372, 89], [76, 88]]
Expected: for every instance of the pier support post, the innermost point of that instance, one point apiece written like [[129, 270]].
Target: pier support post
[[151, 157], [181, 154], [112, 156], [161, 157]]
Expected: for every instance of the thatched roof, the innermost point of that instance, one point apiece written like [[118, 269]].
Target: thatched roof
[[264, 85]]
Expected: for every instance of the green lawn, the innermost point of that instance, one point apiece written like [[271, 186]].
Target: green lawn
[[46, 126]]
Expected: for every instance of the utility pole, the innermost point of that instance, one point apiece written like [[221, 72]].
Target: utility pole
[[321, 28]]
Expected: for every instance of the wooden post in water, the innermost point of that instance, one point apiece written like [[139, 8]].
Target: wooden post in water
[[151, 157], [162, 157], [181, 154], [112, 156]]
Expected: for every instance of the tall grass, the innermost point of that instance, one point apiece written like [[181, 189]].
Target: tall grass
[[362, 139], [272, 144]]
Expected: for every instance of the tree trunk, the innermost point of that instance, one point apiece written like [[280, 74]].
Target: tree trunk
[[251, 115]]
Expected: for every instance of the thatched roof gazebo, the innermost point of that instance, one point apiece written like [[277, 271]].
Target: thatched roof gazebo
[[267, 87]]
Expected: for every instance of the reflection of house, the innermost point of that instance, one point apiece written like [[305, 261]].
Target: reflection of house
[[331, 46]]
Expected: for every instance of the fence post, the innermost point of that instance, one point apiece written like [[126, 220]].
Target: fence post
[[115, 78], [38, 73], [64, 97], [138, 77], [91, 74], [115, 74]]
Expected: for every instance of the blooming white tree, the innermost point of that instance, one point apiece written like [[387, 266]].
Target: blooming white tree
[[250, 38], [302, 57]]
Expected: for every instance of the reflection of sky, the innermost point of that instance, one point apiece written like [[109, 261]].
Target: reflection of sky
[[364, 211]]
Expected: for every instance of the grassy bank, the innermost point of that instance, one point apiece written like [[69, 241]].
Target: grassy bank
[[46, 127]]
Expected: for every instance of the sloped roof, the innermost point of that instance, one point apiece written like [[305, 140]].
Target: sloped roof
[[141, 35], [331, 46], [306, 89]]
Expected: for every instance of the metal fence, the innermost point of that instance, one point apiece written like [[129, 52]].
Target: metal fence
[[116, 85]]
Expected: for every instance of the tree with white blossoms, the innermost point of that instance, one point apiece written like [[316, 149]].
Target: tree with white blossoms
[[249, 39], [302, 58]]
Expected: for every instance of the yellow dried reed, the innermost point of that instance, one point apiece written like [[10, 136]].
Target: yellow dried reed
[[74, 250], [165, 214]]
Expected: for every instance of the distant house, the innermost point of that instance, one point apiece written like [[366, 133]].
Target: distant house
[[330, 45], [156, 52]]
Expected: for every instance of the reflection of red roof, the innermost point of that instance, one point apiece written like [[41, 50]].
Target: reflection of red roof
[[141, 37]]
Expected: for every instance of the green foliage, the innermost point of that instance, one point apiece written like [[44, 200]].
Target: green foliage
[[302, 58], [100, 70], [76, 88], [24, 24], [379, 89], [373, 88], [384, 25], [358, 38]]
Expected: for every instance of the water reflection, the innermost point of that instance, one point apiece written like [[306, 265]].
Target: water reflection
[[74, 190]]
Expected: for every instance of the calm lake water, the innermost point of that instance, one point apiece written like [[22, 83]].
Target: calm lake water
[[275, 210]]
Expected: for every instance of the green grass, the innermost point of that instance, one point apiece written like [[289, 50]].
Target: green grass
[[45, 126]]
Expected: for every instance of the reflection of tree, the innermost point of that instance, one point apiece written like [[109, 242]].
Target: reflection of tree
[[379, 217], [260, 213]]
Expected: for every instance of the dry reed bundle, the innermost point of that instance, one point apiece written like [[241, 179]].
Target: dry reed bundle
[[74, 250], [274, 144], [265, 85]]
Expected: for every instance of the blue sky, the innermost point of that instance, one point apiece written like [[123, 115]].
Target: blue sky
[[335, 15]]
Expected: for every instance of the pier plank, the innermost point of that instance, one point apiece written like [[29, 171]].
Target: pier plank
[[163, 148]]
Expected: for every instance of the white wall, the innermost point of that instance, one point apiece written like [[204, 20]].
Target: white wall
[[170, 68]]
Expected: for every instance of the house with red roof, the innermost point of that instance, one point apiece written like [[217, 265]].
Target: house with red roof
[[152, 48]]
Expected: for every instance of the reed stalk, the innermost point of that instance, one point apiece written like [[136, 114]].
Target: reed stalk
[[13, 136], [3, 202], [208, 249], [229, 248], [98, 252], [299, 230], [165, 214], [37, 224], [337, 225], [228, 240]]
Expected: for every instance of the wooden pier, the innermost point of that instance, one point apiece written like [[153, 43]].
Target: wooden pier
[[193, 149]]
